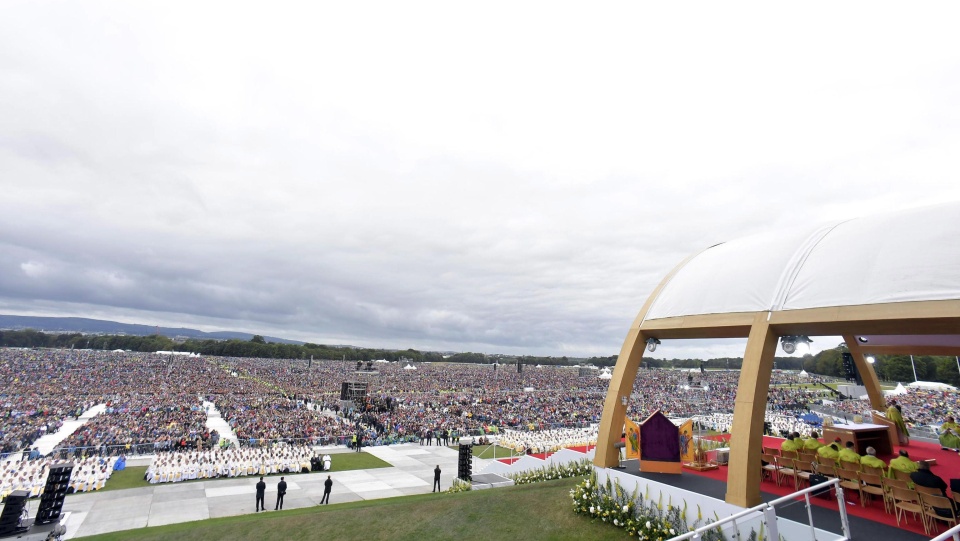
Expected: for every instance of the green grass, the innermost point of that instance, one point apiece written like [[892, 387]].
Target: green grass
[[529, 512], [132, 476]]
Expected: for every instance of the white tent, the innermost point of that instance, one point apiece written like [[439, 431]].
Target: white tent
[[605, 374], [899, 390], [803, 374], [409, 367], [932, 386]]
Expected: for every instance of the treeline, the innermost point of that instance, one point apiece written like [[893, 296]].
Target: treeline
[[893, 368], [256, 347]]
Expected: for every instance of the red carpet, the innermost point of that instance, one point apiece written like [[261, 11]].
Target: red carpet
[[543, 456], [947, 467]]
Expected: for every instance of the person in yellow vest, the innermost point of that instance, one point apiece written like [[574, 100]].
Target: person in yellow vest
[[848, 454], [789, 444], [871, 460], [831, 451], [813, 442], [902, 463], [950, 434], [896, 416]]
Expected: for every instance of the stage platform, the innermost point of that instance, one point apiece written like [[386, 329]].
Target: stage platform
[[490, 480], [824, 517]]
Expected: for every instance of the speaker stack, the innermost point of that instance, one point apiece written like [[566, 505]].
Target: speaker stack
[[51, 503], [10, 517], [465, 462]]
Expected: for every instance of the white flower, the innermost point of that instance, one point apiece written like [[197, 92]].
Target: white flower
[[648, 524], [626, 508], [615, 523], [672, 532], [591, 509]]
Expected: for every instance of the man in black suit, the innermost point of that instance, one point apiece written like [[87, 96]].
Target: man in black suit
[[327, 485], [281, 490], [926, 478], [261, 488], [436, 478]]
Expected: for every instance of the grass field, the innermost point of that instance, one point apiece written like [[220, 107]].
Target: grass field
[[132, 477], [527, 512]]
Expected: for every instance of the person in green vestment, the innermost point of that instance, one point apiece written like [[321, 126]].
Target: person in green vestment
[[813, 442], [950, 434], [870, 459], [831, 451], [902, 463], [894, 414]]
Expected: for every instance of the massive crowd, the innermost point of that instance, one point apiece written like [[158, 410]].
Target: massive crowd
[[154, 402]]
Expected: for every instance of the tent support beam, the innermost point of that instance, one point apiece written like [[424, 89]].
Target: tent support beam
[[746, 442]]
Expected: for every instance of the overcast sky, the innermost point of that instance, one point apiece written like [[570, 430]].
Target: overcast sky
[[495, 177]]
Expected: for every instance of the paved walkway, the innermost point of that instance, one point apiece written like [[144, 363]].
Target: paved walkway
[[46, 444], [411, 472], [215, 421]]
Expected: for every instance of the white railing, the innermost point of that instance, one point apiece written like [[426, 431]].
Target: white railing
[[951, 533], [768, 513]]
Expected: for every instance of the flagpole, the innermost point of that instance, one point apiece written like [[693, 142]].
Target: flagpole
[[914, 369]]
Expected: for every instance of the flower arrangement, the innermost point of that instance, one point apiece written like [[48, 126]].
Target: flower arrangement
[[459, 485], [554, 471], [640, 517]]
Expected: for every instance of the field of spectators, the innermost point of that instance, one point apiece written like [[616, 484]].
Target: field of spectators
[[154, 403]]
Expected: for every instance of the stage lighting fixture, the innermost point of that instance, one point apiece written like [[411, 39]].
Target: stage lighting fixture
[[791, 343], [871, 359], [652, 344]]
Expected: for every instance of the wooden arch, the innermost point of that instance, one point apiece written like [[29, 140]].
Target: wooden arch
[[763, 330]]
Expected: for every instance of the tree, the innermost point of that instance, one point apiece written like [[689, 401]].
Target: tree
[[257, 339]]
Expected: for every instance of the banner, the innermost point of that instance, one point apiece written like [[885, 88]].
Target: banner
[[633, 439], [686, 441]]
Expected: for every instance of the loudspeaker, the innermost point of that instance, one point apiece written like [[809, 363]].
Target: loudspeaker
[[12, 509], [465, 463], [51, 503], [850, 369]]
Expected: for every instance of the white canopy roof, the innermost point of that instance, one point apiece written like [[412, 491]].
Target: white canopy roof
[[911, 255], [409, 367], [934, 385]]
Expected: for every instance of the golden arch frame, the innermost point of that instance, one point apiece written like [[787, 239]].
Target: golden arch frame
[[762, 330]]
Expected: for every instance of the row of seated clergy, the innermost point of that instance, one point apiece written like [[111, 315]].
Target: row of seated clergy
[[175, 467], [89, 473], [849, 454]]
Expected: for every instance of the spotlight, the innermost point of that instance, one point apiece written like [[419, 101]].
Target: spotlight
[[862, 339], [652, 344], [871, 359], [791, 343]]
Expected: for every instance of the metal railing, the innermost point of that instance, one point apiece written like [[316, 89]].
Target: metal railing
[[953, 533], [768, 515]]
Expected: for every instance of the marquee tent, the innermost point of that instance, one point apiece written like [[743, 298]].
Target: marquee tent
[[888, 284]]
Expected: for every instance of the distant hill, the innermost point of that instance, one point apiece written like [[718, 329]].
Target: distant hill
[[98, 326]]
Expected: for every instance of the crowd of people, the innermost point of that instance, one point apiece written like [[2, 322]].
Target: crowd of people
[[173, 467], [155, 403]]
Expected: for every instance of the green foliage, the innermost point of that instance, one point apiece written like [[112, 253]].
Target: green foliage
[[459, 485], [553, 471]]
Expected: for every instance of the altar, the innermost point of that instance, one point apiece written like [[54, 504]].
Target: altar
[[862, 435]]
